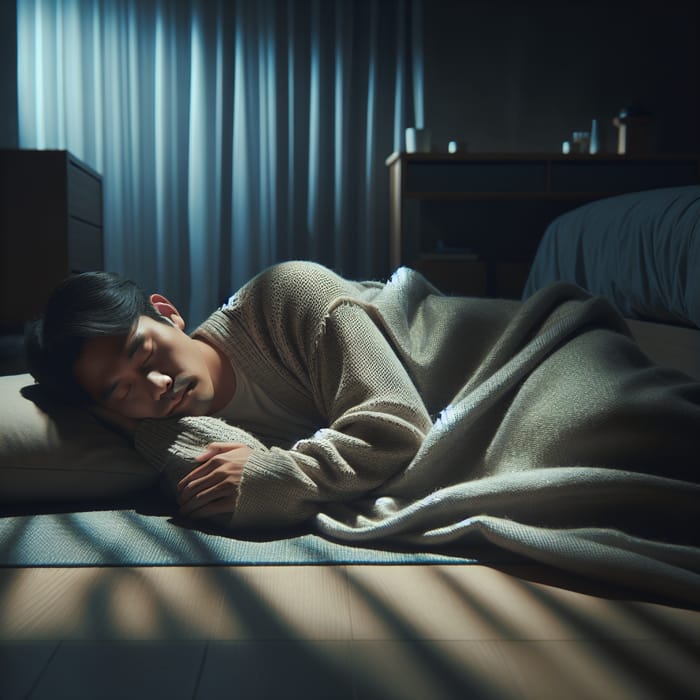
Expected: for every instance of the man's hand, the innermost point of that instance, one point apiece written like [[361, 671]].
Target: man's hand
[[210, 488]]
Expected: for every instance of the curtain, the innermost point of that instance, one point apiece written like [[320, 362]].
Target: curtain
[[230, 134]]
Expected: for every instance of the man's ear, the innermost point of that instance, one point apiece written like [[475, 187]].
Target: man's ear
[[167, 309]]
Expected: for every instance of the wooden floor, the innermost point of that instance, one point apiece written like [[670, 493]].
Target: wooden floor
[[333, 632]]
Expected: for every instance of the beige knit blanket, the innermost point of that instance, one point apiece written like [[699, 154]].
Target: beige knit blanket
[[570, 449]]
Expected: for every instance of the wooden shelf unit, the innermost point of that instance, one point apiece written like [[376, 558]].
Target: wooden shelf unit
[[472, 222]]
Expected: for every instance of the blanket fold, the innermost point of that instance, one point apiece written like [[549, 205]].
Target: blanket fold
[[566, 445]]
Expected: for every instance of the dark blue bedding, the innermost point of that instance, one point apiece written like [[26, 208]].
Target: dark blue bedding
[[641, 251]]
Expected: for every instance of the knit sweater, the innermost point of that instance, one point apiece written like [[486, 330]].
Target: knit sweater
[[306, 336]]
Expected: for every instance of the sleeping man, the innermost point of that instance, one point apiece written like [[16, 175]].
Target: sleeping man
[[373, 411]]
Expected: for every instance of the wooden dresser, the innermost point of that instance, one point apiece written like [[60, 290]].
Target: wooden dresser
[[50, 226]]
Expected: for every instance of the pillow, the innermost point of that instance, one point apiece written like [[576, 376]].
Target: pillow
[[641, 251], [57, 453]]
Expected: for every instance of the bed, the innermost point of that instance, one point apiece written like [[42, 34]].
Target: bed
[[641, 251]]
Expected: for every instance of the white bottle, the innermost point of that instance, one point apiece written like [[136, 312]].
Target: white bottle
[[593, 145]]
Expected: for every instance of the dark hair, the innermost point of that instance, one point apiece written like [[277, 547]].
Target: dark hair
[[83, 306]]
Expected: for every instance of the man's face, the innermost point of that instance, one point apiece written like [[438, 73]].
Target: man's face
[[156, 371]]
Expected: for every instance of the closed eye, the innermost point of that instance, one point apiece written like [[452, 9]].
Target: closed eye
[[116, 392], [139, 345]]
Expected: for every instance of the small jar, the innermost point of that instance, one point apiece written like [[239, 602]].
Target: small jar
[[582, 140]]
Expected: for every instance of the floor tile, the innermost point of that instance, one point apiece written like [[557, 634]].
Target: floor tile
[[114, 670], [21, 664], [435, 602], [593, 670], [273, 670], [175, 603], [44, 603], [292, 602], [419, 669], [473, 602], [396, 602]]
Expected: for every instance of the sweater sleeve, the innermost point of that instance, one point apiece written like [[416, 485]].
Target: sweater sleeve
[[172, 445], [376, 424]]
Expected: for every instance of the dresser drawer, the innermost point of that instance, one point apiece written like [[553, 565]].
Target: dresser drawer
[[84, 194], [621, 176], [84, 246], [475, 176]]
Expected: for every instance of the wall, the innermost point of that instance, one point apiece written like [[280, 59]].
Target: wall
[[520, 76], [8, 74], [512, 76]]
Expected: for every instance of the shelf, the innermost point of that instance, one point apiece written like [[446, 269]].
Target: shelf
[[531, 157], [506, 196], [500, 204]]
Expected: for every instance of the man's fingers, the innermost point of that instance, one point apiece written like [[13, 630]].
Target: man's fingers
[[200, 483], [214, 481], [220, 492], [196, 473], [208, 485], [194, 478], [215, 448]]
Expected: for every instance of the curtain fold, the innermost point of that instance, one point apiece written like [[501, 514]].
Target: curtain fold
[[230, 134]]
